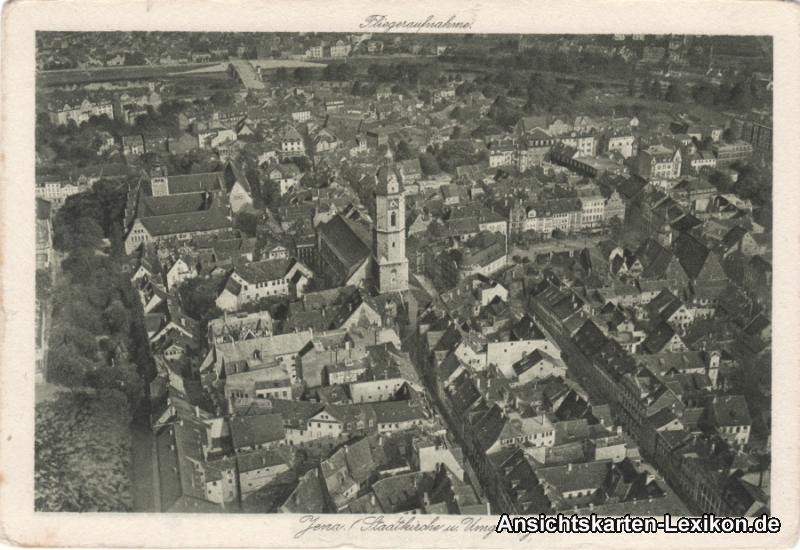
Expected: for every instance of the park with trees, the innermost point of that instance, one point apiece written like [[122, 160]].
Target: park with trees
[[98, 359]]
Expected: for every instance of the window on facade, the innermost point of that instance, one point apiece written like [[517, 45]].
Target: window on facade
[[393, 219]]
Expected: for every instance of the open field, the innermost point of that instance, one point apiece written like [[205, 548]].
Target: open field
[[655, 108], [108, 74]]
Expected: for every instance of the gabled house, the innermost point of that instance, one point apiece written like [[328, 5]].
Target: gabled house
[[730, 417], [285, 176], [703, 266], [260, 431], [251, 282], [344, 251], [536, 366], [666, 307], [237, 186], [179, 208], [661, 338], [291, 142]]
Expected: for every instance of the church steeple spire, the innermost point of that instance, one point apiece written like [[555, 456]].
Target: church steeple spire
[[387, 182], [390, 266]]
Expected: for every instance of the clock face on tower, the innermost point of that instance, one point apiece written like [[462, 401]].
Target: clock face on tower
[[393, 204]]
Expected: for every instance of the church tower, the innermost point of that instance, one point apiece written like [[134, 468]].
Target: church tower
[[159, 184], [390, 265]]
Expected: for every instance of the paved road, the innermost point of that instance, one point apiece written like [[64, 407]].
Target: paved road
[[428, 377], [144, 480], [247, 74], [555, 333], [427, 285], [43, 389]]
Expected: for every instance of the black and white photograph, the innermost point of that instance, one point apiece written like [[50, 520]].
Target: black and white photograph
[[414, 274], [449, 274]]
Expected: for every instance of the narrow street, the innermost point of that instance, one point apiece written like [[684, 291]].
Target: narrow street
[[571, 354], [143, 471], [44, 390], [429, 379]]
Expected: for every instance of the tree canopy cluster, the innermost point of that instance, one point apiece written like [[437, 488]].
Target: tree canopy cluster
[[338, 72], [82, 453], [99, 352], [96, 339], [458, 152]]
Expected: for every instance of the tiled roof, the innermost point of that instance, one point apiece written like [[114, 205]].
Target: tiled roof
[[308, 497], [691, 253], [526, 329], [233, 287], [263, 271], [290, 133], [662, 418], [529, 361], [401, 493], [359, 460], [589, 339], [463, 392], [397, 411], [654, 258], [171, 204], [521, 483], [347, 240], [575, 477], [233, 174], [730, 410], [658, 337], [190, 222], [286, 170], [488, 426], [262, 458], [194, 183], [661, 363], [249, 431]]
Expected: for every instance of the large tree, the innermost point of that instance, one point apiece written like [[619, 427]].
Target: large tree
[[403, 151], [676, 93], [428, 164], [82, 453], [198, 296]]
